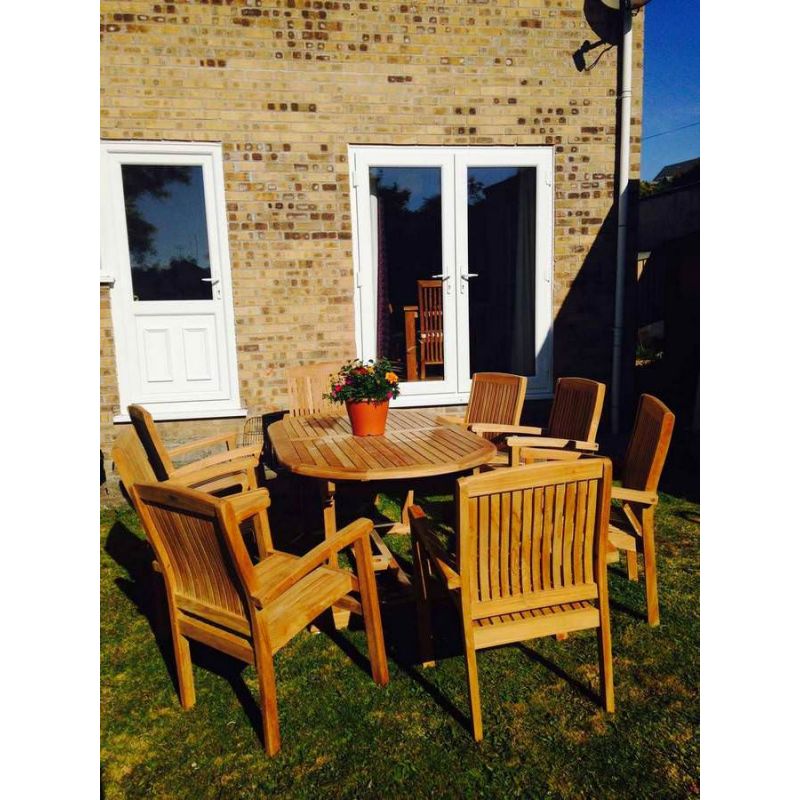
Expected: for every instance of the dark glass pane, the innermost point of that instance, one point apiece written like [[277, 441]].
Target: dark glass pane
[[407, 225], [165, 212], [502, 251]]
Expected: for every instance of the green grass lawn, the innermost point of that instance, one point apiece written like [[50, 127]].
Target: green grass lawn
[[343, 736]]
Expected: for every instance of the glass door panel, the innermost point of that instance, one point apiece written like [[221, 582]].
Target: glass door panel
[[165, 214], [406, 205], [501, 226]]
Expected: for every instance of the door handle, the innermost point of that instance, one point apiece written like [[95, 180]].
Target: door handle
[[212, 281], [465, 276], [444, 278]]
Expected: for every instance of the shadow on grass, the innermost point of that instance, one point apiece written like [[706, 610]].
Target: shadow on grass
[[579, 687]]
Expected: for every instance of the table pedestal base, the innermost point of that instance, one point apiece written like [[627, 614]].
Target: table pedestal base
[[382, 560]]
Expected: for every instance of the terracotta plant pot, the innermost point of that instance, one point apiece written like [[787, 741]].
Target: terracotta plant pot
[[368, 417]]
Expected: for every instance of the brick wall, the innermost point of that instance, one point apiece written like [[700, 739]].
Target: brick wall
[[285, 86]]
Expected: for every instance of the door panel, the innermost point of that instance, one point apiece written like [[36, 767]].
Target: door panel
[[180, 356], [406, 274], [504, 244]]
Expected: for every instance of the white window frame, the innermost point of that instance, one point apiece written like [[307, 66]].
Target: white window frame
[[454, 256], [113, 259]]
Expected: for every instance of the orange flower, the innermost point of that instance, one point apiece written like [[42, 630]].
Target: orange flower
[[391, 377]]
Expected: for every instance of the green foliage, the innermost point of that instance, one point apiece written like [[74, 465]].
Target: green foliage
[[344, 737], [364, 380]]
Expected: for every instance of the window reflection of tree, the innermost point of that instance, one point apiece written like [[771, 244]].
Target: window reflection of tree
[[179, 278]]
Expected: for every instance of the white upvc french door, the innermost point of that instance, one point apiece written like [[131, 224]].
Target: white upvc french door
[[164, 242], [453, 265]]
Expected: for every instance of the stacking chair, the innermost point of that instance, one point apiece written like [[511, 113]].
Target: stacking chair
[[217, 596], [531, 562], [571, 429], [161, 459], [494, 409], [431, 325], [133, 466], [306, 386], [632, 526]]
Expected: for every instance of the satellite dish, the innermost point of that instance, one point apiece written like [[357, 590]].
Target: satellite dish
[[615, 4]]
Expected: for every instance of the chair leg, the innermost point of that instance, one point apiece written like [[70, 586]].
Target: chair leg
[[373, 625], [183, 665], [604, 652], [268, 693], [650, 581], [633, 569], [423, 600], [472, 679]]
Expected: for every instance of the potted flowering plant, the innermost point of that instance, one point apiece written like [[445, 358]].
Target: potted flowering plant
[[365, 387]]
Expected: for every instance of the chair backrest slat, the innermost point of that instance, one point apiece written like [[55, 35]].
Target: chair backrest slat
[[534, 531], [577, 406], [151, 440], [431, 321], [186, 529], [648, 445], [306, 386], [496, 397]]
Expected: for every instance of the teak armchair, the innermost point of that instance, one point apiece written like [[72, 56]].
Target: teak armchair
[[494, 408], [571, 429], [217, 596], [306, 386], [160, 457], [133, 466], [531, 562], [632, 526]]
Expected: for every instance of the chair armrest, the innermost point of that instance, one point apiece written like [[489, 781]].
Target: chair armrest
[[251, 451], [314, 558], [228, 438], [248, 504], [634, 496], [532, 455], [548, 441], [447, 419], [188, 476], [496, 427], [420, 527]]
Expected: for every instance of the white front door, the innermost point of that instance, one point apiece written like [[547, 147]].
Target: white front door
[[453, 251], [165, 244]]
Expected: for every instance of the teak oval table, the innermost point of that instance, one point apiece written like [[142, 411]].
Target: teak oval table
[[414, 446]]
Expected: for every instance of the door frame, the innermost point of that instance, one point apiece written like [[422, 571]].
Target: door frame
[[454, 260], [115, 270]]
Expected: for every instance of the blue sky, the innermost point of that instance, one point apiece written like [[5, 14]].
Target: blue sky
[[671, 83]]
